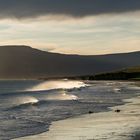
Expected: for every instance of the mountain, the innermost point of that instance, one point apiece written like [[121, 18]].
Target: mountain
[[26, 62]]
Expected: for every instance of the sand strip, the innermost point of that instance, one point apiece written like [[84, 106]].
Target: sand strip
[[101, 126]]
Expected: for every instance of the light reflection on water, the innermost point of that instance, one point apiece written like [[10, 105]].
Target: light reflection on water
[[30, 107], [57, 84]]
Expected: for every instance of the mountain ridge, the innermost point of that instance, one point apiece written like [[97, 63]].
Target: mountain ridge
[[19, 62], [29, 47]]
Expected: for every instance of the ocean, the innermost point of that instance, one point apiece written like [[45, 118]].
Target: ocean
[[28, 107]]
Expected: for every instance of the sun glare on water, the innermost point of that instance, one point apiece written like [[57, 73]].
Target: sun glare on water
[[58, 84]]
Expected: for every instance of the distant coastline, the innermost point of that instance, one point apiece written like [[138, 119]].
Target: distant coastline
[[128, 74], [132, 73]]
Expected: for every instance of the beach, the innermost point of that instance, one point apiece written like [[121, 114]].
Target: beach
[[112, 125], [70, 70]]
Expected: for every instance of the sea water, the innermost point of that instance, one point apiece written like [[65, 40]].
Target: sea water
[[29, 107]]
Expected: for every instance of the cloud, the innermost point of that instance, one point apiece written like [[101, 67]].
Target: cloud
[[75, 8]]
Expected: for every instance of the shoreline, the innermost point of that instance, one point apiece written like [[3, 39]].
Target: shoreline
[[107, 125]]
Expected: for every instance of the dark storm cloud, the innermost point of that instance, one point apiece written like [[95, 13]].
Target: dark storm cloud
[[34, 8]]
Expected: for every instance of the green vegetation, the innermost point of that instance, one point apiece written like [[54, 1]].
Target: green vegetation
[[117, 76]]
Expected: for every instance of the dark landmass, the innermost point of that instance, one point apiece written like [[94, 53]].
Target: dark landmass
[[132, 73], [24, 62]]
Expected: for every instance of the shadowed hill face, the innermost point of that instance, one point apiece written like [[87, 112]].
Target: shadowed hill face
[[26, 62]]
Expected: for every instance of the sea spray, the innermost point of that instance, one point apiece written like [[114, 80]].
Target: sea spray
[[57, 84]]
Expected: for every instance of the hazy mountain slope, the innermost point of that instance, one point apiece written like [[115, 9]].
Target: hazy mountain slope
[[26, 62]]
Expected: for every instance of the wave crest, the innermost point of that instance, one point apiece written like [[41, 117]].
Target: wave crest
[[57, 84], [61, 96]]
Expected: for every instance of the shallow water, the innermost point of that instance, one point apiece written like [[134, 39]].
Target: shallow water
[[98, 126], [29, 107]]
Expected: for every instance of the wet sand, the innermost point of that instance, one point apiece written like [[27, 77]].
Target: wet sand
[[111, 125]]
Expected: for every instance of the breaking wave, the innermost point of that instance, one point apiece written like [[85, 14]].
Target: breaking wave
[[25, 100], [28, 101], [59, 84], [61, 96]]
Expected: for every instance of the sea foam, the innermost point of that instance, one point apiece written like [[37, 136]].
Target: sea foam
[[57, 84]]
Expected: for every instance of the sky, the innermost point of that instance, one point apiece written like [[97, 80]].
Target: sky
[[86, 27]]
